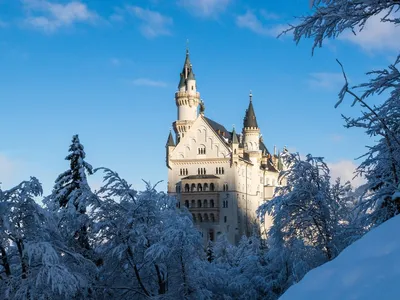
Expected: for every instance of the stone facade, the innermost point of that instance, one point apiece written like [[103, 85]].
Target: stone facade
[[222, 177]]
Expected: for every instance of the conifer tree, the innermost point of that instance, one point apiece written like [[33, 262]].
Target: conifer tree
[[72, 195]]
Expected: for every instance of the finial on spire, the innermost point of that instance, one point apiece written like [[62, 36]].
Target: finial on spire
[[187, 46], [251, 96]]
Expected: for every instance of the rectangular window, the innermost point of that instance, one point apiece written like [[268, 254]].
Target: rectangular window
[[225, 219]]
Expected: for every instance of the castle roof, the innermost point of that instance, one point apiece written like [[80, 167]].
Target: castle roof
[[250, 117], [170, 141]]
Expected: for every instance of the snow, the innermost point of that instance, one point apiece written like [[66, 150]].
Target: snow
[[367, 269]]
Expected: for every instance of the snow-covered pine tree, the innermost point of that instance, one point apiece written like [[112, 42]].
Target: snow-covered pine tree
[[71, 197], [381, 166]]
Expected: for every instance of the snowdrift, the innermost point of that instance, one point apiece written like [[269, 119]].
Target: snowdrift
[[367, 269]]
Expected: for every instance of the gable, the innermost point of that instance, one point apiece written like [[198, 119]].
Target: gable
[[201, 142]]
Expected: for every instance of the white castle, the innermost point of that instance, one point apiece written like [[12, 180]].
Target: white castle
[[222, 177]]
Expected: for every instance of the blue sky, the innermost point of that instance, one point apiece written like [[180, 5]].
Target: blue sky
[[108, 70]]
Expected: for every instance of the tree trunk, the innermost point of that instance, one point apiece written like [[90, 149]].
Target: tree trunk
[[5, 262]]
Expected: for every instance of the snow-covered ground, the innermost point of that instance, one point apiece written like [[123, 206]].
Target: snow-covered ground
[[367, 269]]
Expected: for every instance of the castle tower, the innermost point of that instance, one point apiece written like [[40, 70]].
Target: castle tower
[[251, 132], [187, 100]]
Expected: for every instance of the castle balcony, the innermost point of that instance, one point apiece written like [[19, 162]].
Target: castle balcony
[[186, 94], [207, 184]]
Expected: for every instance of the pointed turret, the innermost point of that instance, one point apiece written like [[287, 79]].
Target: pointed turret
[[251, 132], [170, 141], [250, 117], [187, 100], [234, 137]]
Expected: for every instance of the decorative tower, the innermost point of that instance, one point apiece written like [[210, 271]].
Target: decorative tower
[[251, 132], [187, 100]]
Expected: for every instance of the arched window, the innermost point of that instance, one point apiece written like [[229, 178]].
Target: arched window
[[206, 218], [226, 203], [199, 203], [204, 171], [212, 217], [225, 219], [223, 204], [205, 203], [212, 203], [223, 171], [212, 187], [187, 203], [186, 173], [199, 217], [193, 204], [199, 187], [216, 170], [187, 188], [194, 217], [193, 188], [205, 187], [180, 172]]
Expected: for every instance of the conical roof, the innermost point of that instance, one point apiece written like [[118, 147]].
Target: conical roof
[[234, 137], [250, 117], [170, 141]]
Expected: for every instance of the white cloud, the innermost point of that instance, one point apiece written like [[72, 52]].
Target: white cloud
[[205, 8], [345, 170], [149, 82], [153, 23], [50, 16], [376, 35], [326, 80], [250, 21]]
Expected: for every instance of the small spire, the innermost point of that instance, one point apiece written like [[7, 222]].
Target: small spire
[[234, 136], [170, 141]]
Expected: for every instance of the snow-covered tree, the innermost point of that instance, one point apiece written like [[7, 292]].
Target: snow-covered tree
[[34, 262], [308, 208], [381, 166], [149, 247], [72, 196], [311, 221]]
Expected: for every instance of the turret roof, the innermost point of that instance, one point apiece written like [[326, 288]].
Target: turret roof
[[250, 117], [170, 141]]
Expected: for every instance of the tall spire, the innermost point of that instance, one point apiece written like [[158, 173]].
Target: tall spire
[[187, 70], [250, 117]]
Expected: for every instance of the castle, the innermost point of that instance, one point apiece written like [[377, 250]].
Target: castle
[[222, 177]]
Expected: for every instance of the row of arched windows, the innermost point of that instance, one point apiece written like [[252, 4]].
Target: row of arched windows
[[201, 171], [201, 150], [225, 187], [183, 172], [204, 217], [219, 171], [205, 203], [199, 187]]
